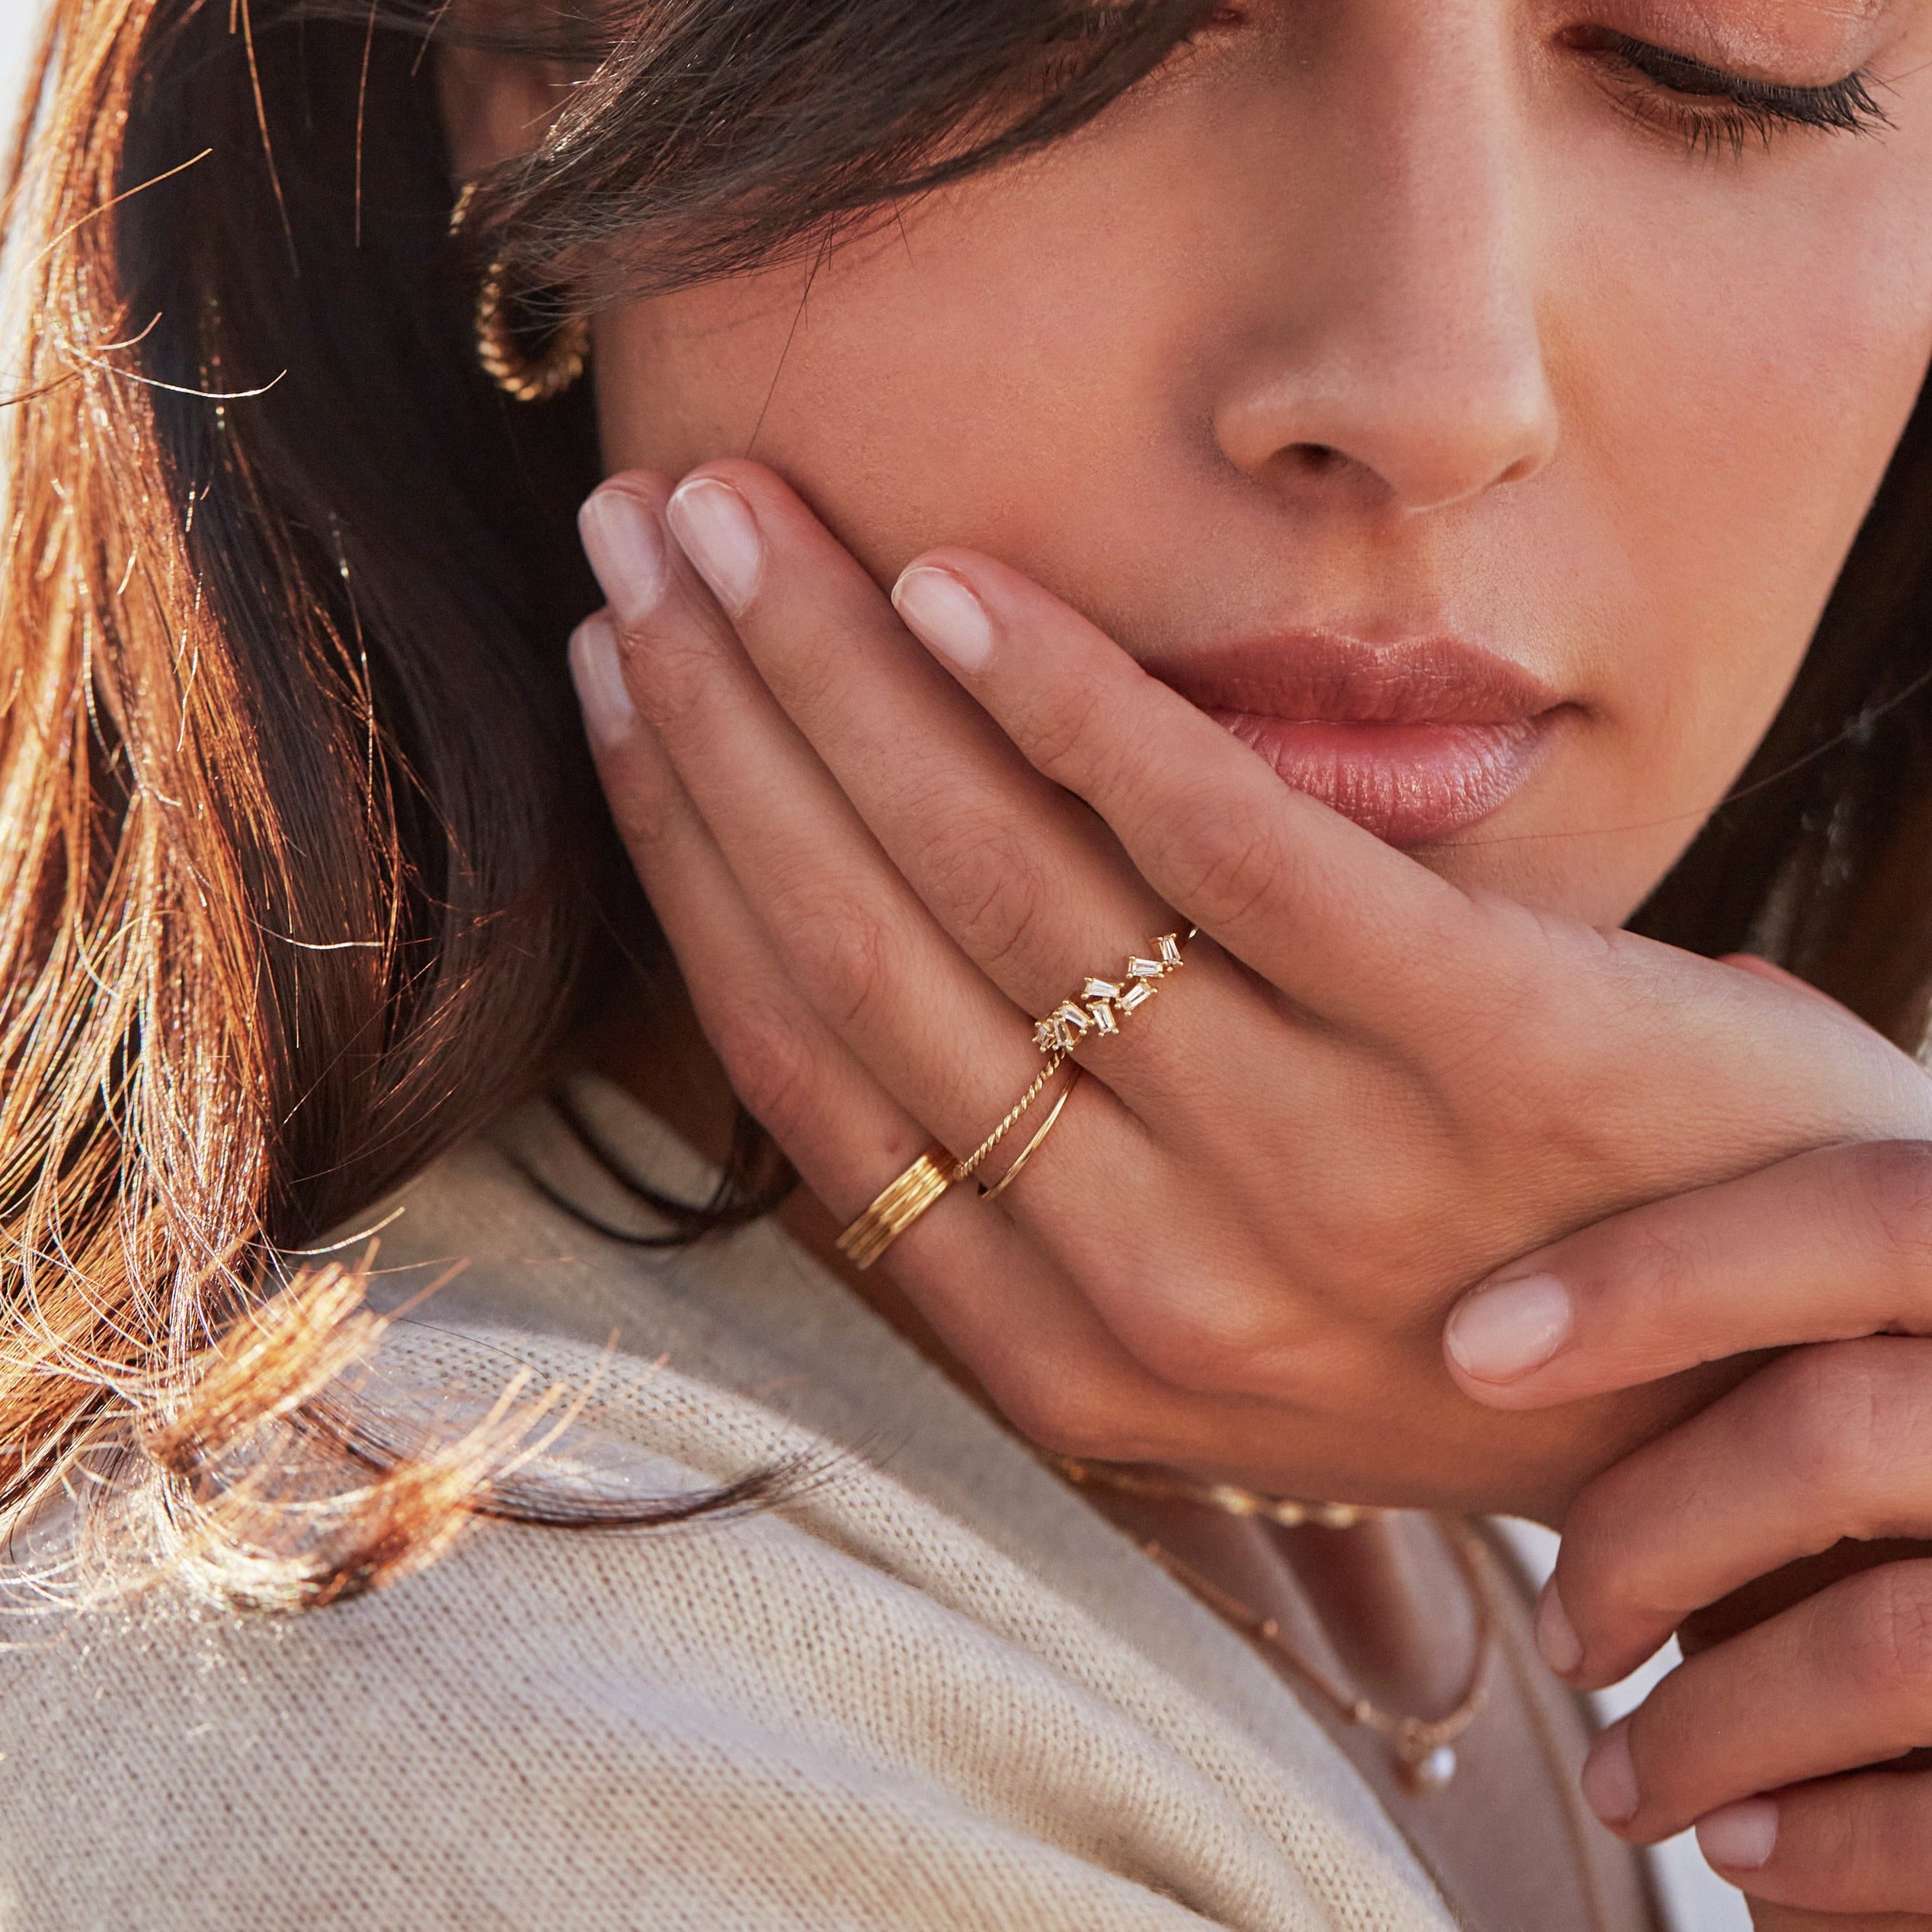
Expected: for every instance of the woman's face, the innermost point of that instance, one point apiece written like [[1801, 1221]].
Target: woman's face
[[1470, 403]]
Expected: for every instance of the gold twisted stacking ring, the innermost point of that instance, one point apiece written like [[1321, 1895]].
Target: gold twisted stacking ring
[[1100, 1004], [1032, 1146], [899, 1206], [973, 1162]]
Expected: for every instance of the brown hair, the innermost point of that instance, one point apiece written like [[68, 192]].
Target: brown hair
[[296, 837]]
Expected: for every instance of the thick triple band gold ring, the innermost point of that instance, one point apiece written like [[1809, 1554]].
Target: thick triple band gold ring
[[899, 1206]]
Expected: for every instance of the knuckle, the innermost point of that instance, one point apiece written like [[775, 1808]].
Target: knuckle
[[650, 828], [1892, 1639], [1210, 1343], [1599, 1574], [835, 947], [1665, 1260], [1892, 1190], [1838, 1412], [1074, 1412], [1228, 862], [674, 673], [767, 1055], [989, 885], [1068, 738]]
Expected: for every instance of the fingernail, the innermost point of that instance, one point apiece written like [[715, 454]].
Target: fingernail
[[715, 529], [1740, 1836], [621, 540], [942, 611], [599, 676], [1610, 1779], [1555, 1636], [1497, 1334]]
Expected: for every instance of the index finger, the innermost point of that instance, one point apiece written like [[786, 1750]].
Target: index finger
[[1317, 905]]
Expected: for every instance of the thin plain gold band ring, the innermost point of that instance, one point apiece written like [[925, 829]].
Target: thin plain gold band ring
[[1032, 1146]]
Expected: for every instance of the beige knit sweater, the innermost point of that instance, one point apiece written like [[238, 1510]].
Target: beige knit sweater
[[929, 1690]]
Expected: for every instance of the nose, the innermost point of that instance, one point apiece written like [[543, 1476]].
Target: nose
[[1403, 346]]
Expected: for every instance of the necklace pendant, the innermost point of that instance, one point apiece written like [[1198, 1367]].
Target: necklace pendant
[[1427, 1770]]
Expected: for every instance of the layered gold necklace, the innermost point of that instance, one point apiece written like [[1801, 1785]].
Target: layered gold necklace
[[1423, 1749]]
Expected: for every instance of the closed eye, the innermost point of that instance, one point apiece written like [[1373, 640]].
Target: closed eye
[[1711, 107]]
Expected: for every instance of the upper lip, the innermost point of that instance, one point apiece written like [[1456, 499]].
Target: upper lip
[[1329, 676]]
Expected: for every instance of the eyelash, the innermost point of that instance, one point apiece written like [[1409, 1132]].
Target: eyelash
[[1708, 108]]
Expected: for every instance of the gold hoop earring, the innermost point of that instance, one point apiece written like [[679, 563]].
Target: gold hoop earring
[[502, 345], [527, 377]]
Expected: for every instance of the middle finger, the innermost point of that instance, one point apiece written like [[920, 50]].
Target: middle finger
[[1842, 1680], [1832, 1442]]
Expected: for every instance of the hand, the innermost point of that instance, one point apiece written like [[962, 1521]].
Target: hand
[[1366, 1088], [1808, 1672]]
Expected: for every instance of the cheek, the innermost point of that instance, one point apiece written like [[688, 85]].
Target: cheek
[[1734, 366], [994, 374], [1731, 453]]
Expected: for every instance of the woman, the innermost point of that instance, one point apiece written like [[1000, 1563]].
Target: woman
[[1469, 408]]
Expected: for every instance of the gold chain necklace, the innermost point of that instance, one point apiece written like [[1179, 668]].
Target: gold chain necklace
[[1227, 1497], [1423, 1748]]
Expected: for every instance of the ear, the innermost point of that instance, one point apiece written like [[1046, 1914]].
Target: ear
[[495, 106]]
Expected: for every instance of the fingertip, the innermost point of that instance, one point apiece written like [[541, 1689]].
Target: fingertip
[[1498, 1334], [944, 612], [1739, 1837], [1556, 1639], [597, 671], [622, 529], [1609, 1779]]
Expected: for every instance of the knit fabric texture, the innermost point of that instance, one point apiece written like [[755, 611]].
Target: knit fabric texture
[[926, 1690]]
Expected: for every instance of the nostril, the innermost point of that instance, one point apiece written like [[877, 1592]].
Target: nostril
[[1317, 459]]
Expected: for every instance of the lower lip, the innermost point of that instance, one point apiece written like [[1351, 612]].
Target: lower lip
[[1408, 784]]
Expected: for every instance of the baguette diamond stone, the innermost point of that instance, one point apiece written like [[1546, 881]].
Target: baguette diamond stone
[[1102, 1004]]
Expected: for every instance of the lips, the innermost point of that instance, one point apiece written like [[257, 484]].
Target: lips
[[1415, 741]]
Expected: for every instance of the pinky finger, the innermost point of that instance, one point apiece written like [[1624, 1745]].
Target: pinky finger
[[786, 1065], [1861, 1843]]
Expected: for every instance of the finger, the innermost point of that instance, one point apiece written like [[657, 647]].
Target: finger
[[1851, 1844], [1773, 974], [1314, 904], [1826, 1443], [1031, 884], [1039, 1350], [855, 940], [1839, 1682], [1831, 1244], [861, 949]]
